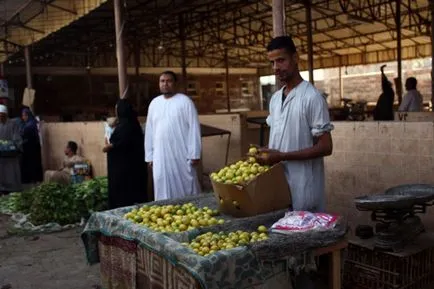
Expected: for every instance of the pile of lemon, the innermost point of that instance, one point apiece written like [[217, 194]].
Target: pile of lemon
[[241, 172], [174, 218], [210, 243]]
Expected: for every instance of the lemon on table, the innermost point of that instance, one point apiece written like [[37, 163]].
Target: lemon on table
[[262, 229]]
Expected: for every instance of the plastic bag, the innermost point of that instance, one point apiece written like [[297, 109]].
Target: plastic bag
[[302, 221]]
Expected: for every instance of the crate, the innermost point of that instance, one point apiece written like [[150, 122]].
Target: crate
[[411, 269]]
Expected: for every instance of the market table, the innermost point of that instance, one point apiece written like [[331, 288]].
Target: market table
[[133, 256], [208, 131], [262, 122]]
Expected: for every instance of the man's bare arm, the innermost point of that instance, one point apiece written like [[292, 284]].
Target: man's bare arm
[[323, 146]]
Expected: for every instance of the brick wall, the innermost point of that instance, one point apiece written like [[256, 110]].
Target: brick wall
[[89, 137], [370, 157], [68, 95], [367, 87]]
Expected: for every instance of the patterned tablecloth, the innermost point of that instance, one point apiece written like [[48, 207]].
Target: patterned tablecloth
[[235, 268]]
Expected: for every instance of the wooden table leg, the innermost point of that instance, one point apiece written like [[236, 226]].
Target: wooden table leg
[[335, 270]]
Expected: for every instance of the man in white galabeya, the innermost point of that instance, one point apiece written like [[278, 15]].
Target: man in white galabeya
[[299, 135], [413, 100], [299, 129], [173, 141]]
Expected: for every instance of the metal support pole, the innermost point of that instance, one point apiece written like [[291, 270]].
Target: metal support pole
[[341, 85], [278, 17], [120, 54], [228, 97], [398, 47], [28, 67], [308, 9], [137, 72], [183, 52], [432, 55]]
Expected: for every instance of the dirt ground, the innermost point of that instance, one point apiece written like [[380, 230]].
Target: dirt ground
[[46, 261]]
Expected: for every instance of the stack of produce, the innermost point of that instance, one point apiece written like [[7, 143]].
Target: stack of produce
[[51, 202], [242, 172], [210, 243], [174, 218]]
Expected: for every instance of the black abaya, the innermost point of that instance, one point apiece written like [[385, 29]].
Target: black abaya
[[31, 160], [384, 108], [127, 174]]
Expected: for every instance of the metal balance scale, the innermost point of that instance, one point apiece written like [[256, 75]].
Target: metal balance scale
[[395, 214]]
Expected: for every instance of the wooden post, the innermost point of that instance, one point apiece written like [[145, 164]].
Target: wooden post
[[120, 53], [398, 47], [308, 9]]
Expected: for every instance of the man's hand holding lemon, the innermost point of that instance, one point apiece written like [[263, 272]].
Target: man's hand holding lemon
[[268, 156]]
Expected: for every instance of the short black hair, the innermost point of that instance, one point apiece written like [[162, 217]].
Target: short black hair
[[280, 42], [412, 82], [171, 73], [72, 145]]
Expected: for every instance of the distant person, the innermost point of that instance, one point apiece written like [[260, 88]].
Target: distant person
[[413, 100], [10, 176], [110, 125], [63, 174], [173, 141], [31, 160], [384, 108], [127, 176]]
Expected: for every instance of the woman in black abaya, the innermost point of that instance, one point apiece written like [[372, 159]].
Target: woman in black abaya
[[31, 160], [127, 176]]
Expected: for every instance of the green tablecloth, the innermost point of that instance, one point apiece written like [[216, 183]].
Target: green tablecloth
[[240, 267]]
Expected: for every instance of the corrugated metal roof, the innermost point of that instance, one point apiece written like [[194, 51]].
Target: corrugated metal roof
[[344, 32], [28, 21]]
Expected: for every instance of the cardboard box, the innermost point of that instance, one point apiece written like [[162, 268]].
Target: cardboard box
[[267, 192]]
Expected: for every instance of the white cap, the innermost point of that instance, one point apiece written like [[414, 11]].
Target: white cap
[[3, 109]]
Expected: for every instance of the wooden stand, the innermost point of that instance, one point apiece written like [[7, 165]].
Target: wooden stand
[[335, 252]]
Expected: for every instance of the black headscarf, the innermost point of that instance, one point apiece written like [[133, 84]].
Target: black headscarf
[[128, 125], [125, 111]]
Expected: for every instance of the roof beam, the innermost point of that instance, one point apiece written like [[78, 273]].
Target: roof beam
[[59, 7]]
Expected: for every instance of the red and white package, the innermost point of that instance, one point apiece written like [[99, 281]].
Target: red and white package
[[302, 221]]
